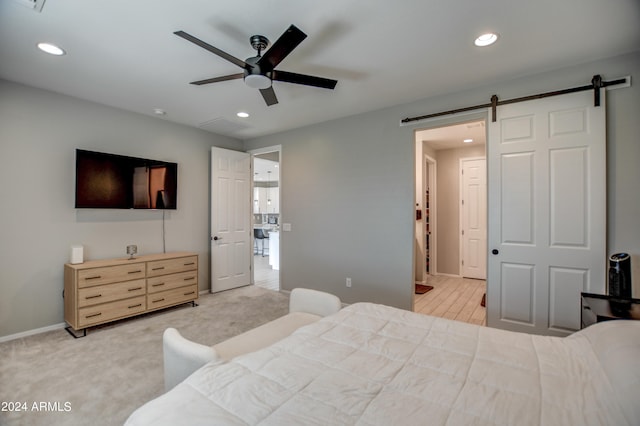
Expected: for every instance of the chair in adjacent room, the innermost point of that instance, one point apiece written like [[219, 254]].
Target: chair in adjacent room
[[259, 235]]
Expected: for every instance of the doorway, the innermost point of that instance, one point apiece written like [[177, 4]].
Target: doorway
[[441, 152], [266, 202]]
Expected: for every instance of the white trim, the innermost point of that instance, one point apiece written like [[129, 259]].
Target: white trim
[[32, 332], [445, 120], [627, 83], [451, 275]]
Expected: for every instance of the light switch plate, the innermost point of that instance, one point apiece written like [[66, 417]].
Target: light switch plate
[[286, 227]]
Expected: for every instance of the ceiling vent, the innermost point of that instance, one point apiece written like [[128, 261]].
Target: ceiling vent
[[32, 4], [223, 126]]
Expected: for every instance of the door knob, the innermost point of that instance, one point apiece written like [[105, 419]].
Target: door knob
[[216, 238], [495, 251]]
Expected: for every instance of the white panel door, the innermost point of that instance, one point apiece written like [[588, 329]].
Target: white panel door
[[230, 219], [547, 212], [473, 221]]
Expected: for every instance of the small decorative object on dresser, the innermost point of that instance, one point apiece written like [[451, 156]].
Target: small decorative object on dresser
[[77, 254], [131, 251], [100, 291]]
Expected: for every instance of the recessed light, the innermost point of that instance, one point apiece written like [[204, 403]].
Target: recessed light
[[159, 111], [51, 49], [242, 114], [486, 39], [467, 140]]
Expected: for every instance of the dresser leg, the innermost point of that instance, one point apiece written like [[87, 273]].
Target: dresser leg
[[75, 336]]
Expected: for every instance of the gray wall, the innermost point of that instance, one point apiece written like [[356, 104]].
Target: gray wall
[[348, 185], [39, 132]]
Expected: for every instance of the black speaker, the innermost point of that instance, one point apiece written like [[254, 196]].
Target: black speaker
[[620, 275]]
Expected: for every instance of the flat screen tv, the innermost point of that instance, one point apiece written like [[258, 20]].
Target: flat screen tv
[[110, 181]]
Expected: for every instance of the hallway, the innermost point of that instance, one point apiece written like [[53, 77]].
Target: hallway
[[454, 298]]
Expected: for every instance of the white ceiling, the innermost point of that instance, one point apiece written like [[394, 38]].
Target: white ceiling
[[123, 53], [453, 136]]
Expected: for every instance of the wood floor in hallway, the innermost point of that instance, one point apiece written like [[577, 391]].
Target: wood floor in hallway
[[453, 298], [264, 276]]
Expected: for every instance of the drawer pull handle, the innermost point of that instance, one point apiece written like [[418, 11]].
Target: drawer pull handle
[[158, 268], [191, 292], [190, 263], [135, 306], [158, 300], [94, 315], [134, 272], [134, 289], [190, 278], [157, 285], [93, 297], [93, 278]]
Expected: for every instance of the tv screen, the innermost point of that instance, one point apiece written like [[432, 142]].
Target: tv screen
[[110, 181]]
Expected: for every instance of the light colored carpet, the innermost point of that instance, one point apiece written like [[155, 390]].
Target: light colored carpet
[[100, 379]]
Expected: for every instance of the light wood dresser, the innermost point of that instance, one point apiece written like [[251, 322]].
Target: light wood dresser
[[100, 291]]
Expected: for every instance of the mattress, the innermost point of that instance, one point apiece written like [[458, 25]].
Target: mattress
[[371, 364]]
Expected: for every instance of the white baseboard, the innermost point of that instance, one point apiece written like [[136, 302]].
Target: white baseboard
[[450, 275], [32, 332]]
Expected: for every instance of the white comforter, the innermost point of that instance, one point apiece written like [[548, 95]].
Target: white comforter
[[375, 365]]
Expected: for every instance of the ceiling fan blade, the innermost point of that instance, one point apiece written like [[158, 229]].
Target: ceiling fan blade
[[217, 79], [288, 41], [210, 48], [269, 96], [307, 80]]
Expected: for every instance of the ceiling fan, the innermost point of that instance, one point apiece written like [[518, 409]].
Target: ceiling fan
[[259, 70]]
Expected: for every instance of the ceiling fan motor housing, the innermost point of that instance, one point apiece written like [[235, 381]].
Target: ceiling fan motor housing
[[255, 76]]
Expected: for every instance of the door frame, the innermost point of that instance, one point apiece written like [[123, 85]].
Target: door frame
[[253, 153]]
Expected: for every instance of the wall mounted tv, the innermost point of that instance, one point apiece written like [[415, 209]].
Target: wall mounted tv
[[109, 181]]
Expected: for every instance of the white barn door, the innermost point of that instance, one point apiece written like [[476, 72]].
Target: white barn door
[[547, 212], [230, 219]]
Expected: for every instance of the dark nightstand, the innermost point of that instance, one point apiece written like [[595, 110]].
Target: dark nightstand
[[601, 307]]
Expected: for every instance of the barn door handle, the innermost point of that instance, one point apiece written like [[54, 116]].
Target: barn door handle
[[495, 251]]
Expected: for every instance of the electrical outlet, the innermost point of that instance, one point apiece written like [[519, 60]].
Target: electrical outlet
[[348, 282]]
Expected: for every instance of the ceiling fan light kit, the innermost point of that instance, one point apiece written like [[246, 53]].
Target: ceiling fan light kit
[[259, 71]]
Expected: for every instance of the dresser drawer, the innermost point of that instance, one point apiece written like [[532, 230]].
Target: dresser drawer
[[110, 274], [168, 282], [110, 311], [172, 297], [171, 266], [109, 292]]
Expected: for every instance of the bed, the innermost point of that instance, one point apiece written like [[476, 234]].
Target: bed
[[371, 364]]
